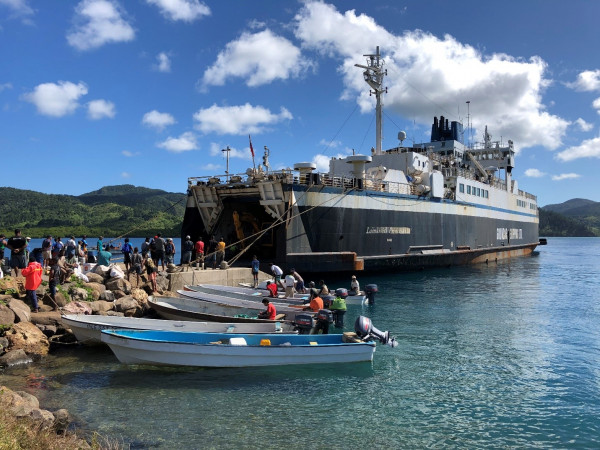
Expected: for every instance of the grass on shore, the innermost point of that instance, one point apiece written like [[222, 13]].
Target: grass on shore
[[23, 433]]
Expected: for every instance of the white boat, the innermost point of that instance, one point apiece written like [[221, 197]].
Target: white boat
[[182, 308], [228, 306], [87, 328], [261, 289], [225, 350]]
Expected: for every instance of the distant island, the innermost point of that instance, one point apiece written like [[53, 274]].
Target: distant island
[[109, 211], [139, 211]]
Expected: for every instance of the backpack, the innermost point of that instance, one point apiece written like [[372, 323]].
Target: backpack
[[126, 248], [153, 245]]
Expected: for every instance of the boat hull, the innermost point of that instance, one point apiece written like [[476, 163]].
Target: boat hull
[[202, 349]]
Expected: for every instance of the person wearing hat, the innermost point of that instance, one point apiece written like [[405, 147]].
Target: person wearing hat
[[354, 286], [186, 252]]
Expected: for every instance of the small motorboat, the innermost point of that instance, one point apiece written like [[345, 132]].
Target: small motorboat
[[244, 350], [87, 328], [363, 297]]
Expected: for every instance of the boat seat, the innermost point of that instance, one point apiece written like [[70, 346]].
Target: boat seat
[[279, 316], [350, 337]]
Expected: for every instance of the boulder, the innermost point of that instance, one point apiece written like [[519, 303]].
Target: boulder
[[101, 306], [14, 358], [7, 315], [126, 303], [48, 330], [162, 283], [147, 287], [7, 283], [108, 296], [114, 314], [78, 308], [28, 337], [3, 344], [21, 310], [95, 278], [78, 294], [15, 403], [96, 287], [42, 417], [118, 294], [118, 284], [41, 290], [59, 299], [28, 398], [51, 318], [140, 296], [61, 420]]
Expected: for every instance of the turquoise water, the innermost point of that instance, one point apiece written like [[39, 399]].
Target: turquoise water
[[503, 355]]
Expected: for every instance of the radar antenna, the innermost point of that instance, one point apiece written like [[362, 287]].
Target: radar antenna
[[373, 75]]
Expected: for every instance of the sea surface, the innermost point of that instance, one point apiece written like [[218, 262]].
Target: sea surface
[[503, 355]]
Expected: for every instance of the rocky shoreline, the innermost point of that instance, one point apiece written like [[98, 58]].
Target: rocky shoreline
[[27, 337]]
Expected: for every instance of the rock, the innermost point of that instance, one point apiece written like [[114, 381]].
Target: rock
[[126, 303], [40, 291], [118, 284], [61, 420], [28, 398], [28, 337], [103, 271], [162, 283], [118, 294], [59, 299], [78, 294], [48, 330], [8, 282], [101, 306], [115, 314], [96, 287], [15, 357], [47, 318], [140, 296], [95, 278], [16, 404], [7, 315], [65, 338], [147, 287], [108, 296], [42, 417], [21, 310], [78, 308], [3, 344]]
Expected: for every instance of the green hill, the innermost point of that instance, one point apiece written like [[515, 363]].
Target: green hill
[[585, 213], [109, 211]]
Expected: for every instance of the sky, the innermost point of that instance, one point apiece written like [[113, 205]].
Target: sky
[[150, 92]]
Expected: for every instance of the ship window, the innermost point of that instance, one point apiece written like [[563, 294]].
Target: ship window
[[468, 189], [461, 188]]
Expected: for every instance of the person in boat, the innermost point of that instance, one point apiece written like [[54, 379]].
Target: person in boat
[[277, 273], [255, 269], [290, 283], [354, 286], [299, 282], [323, 289], [269, 313], [272, 288], [316, 303]]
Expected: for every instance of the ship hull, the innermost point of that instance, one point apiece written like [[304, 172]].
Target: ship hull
[[335, 230]]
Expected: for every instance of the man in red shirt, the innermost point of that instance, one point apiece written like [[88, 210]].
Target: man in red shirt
[[272, 288], [33, 279], [270, 313], [199, 247]]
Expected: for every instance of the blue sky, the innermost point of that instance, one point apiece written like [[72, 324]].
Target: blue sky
[[148, 92]]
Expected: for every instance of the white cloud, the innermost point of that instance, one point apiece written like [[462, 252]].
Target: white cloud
[[259, 58], [158, 120], [590, 148], [129, 154], [20, 9], [243, 119], [163, 63], [217, 150], [588, 80], [98, 22], [583, 125], [330, 144], [322, 161], [596, 104], [5, 86], [184, 143], [211, 167], [99, 109], [186, 10], [565, 176], [427, 73], [56, 100], [534, 173], [125, 175]]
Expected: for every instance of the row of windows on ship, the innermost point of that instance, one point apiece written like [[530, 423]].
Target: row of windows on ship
[[479, 192]]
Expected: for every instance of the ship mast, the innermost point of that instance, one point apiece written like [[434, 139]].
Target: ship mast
[[373, 75]]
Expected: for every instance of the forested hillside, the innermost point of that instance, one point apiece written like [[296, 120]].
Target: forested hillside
[[110, 211]]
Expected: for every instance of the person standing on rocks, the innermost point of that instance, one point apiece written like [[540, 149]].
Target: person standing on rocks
[[136, 265], [126, 250], [47, 251], [17, 245], [170, 251], [33, 279], [159, 252]]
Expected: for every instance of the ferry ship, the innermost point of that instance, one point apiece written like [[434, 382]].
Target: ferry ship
[[434, 204]]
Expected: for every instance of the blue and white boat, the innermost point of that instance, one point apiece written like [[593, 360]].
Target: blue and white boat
[[243, 350]]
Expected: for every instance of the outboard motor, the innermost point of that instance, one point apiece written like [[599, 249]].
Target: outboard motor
[[324, 318], [365, 330], [341, 292], [327, 300], [304, 323], [370, 291]]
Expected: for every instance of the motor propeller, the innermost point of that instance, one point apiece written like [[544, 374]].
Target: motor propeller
[[364, 328]]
